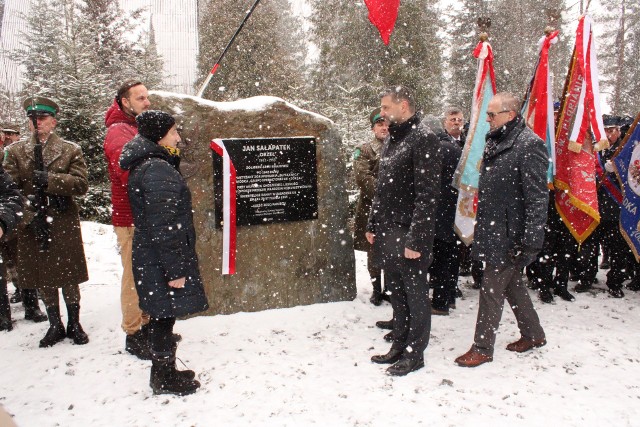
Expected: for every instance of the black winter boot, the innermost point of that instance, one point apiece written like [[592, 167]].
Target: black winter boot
[[376, 295], [32, 307], [16, 297], [164, 380], [145, 330], [187, 374], [5, 313], [56, 333], [74, 329], [138, 345]]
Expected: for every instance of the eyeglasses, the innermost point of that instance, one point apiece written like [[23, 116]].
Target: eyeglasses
[[493, 115]]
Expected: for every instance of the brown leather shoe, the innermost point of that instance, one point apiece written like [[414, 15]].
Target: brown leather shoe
[[472, 358], [525, 344]]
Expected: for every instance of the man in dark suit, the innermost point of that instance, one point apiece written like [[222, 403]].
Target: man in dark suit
[[401, 226]]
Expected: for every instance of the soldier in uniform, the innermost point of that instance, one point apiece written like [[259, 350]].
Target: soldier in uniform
[[366, 163], [60, 263]]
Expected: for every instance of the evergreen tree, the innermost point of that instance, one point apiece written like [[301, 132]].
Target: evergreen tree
[[464, 31], [516, 28], [619, 49], [267, 57], [91, 56], [354, 65]]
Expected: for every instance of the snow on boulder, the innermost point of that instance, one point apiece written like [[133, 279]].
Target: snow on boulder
[[282, 264]]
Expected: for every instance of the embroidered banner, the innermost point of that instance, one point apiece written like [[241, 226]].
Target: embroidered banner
[[467, 173]]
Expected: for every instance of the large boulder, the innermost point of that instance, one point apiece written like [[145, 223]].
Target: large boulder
[[279, 264]]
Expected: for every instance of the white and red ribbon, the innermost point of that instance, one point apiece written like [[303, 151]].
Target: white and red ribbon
[[228, 208]]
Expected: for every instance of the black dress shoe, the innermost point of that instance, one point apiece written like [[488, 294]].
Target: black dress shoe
[[392, 357], [546, 296], [404, 366], [564, 294], [388, 337], [634, 285], [616, 292], [582, 287], [385, 324]]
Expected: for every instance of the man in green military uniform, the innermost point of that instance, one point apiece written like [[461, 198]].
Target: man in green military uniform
[[60, 263], [365, 165]]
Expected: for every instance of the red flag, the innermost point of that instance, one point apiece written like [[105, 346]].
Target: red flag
[[576, 196], [383, 14]]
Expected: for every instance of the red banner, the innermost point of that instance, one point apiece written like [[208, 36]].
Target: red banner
[[575, 182], [383, 14]]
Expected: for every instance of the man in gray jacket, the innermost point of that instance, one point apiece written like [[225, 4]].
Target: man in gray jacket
[[509, 233]]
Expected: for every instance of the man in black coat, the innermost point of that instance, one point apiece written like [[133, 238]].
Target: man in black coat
[[443, 272], [509, 233], [401, 226], [608, 232]]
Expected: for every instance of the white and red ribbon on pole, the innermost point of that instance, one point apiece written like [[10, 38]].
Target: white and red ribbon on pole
[[589, 113], [538, 108], [228, 208]]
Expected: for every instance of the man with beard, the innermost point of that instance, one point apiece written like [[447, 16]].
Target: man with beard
[[401, 226], [509, 232], [131, 100]]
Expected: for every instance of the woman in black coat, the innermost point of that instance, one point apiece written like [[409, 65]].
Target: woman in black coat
[[165, 265]]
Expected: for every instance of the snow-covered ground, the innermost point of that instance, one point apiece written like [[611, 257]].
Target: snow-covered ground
[[310, 366]]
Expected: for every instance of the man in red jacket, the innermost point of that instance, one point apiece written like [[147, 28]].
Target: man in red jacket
[[131, 100]]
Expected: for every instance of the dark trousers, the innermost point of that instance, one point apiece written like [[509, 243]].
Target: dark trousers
[[444, 273], [560, 253], [619, 254], [411, 309], [161, 334]]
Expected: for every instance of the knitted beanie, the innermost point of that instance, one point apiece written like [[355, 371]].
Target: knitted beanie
[[154, 124]]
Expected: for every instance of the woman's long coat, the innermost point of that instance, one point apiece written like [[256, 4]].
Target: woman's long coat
[[63, 263], [164, 241]]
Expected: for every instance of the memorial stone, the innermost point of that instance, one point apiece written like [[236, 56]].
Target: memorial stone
[[293, 243]]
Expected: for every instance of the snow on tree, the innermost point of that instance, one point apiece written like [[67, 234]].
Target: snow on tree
[[267, 57], [78, 53], [619, 50]]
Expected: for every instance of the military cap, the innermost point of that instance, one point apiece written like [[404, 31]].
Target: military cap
[[40, 106], [10, 128], [610, 121], [375, 116]]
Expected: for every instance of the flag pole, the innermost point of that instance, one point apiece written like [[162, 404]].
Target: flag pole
[[217, 64]]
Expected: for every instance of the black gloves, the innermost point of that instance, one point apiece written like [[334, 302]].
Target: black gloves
[[521, 256], [40, 179]]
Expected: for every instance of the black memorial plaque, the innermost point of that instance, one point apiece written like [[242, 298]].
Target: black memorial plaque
[[276, 180]]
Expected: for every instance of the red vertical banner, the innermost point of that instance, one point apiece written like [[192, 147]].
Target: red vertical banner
[[575, 181]]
